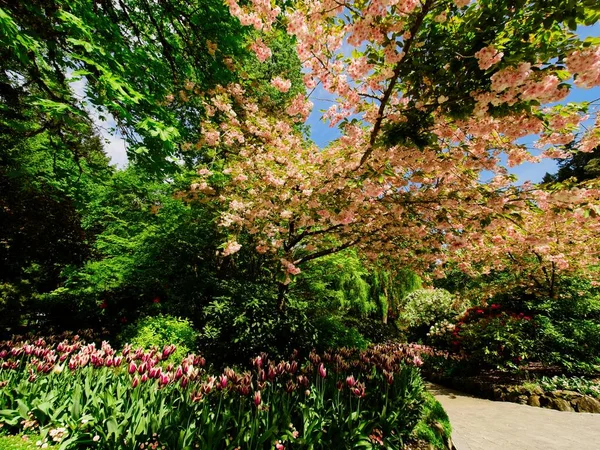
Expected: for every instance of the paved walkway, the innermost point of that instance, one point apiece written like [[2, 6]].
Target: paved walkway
[[479, 424]]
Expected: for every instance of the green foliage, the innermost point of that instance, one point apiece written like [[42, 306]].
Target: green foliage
[[338, 282], [434, 426], [159, 331], [500, 340], [247, 321], [333, 333], [577, 384], [341, 284], [156, 50]]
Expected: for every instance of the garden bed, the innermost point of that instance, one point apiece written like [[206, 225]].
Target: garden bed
[[78, 395]]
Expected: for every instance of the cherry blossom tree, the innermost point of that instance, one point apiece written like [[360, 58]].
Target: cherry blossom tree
[[435, 100]]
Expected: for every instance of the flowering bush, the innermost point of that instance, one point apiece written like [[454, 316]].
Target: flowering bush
[[487, 335], [424, 307], [440, 333], [82, 396]]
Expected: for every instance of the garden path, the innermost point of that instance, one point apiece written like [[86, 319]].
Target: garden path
[[480, 424]]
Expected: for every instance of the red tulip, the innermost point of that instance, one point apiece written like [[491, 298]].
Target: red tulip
[[135, 381], [132, 368]]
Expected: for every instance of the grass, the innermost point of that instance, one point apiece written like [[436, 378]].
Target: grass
[[18, 443], [434, 426]]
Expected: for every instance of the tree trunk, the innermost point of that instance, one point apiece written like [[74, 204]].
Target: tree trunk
[[282, 291]]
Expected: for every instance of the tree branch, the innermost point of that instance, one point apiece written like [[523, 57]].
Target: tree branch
[[327, 251], [390, 89]]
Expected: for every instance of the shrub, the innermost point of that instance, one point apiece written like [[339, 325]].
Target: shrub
[[422, 308], [497, 339], [159, 331], [236, 327], [374, 330], [577, 384], [332, 333]]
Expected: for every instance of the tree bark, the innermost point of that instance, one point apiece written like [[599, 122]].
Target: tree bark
[[282, 291]]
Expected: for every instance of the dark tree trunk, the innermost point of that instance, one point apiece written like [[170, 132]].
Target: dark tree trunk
[[282, 291]]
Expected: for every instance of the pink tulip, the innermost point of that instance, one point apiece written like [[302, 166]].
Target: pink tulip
[[135, 381], [132, 368], [164, 379], [179, 373], [322, 371], [257, 398], [223, 381], [350, 381]]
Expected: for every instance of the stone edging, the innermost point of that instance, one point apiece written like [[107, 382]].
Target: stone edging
[[561, 400]]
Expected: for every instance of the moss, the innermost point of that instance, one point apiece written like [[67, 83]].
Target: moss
[[434, 426]]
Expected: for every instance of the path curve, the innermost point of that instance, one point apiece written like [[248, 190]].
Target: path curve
[[480, 424]]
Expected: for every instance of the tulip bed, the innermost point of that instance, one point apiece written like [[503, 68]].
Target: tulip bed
[[79, 395]]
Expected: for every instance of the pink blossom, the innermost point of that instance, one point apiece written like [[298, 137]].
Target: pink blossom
[[488, 56], [261, 51], [281, 84], [231, 247]]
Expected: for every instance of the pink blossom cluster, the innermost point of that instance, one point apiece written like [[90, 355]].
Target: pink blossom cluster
[[488, 56], [290, 267], [231, 247], [462, 3], [585, 65], [261, 50], [281, 84], [260, 14], [300, 106]]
